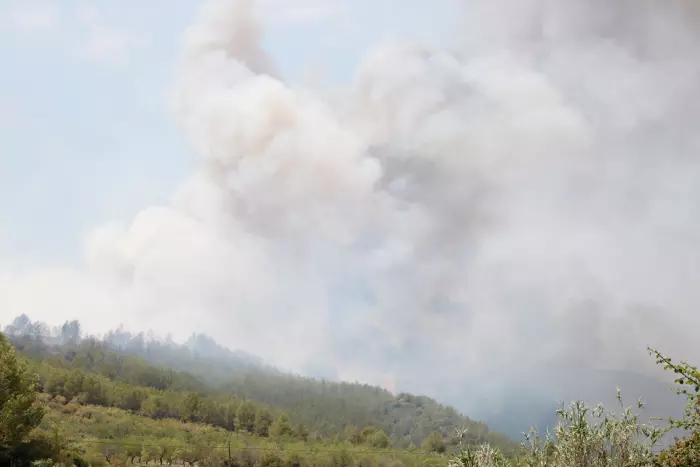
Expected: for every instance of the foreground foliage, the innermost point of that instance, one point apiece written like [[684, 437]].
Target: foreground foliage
[[592, 437], [19, 410], [583, 437], [685, 452]]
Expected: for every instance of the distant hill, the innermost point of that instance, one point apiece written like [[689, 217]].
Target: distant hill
[[201, 365]]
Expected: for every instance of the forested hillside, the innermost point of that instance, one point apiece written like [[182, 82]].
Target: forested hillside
[[86, 418], [75, 402], [111, 436], [203, 382]]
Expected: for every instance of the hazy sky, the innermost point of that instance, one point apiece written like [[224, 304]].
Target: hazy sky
[[86, 136]]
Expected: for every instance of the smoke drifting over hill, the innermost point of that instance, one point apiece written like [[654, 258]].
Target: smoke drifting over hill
[[527, 198]]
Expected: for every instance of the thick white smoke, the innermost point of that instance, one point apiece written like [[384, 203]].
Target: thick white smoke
[[525, 199]]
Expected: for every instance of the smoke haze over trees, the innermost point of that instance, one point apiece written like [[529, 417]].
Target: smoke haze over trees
[[203, 382], [526, 194]]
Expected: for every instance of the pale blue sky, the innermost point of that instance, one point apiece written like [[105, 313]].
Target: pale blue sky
[[85, 133]]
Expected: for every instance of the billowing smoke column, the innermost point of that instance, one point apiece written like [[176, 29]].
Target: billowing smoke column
[[526, 199]]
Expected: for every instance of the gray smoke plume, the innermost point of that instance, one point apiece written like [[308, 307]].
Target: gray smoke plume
[[453, 219]]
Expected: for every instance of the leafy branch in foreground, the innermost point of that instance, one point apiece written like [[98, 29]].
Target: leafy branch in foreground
[[685, 452], [689, 380], [593, 438]]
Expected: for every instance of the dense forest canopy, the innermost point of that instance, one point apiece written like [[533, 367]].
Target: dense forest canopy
[[202, 381]]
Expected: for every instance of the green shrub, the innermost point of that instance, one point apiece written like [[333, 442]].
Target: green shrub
[[684, 453]]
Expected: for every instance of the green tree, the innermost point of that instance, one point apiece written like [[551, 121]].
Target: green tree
[[154, 406], [433, 443], [281, 427], [190, 407], [379, 439], [211, 413], [367, 432], [20, 411], [353, 435], [245, 416], [263, 421], [128, 398], [301, 432]]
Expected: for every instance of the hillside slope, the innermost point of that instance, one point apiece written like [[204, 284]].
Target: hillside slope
[[327, 409], [109, 436]]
